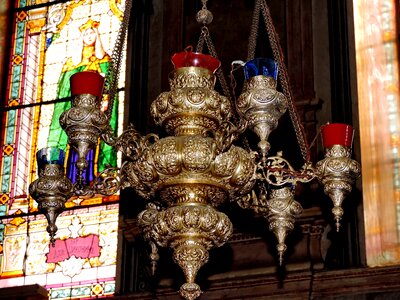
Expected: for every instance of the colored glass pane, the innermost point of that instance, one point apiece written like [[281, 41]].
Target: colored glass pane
[[85, 250], [6, 174], [22, 3], [10, 128], [3, 210], [1, 233], [19, 46]]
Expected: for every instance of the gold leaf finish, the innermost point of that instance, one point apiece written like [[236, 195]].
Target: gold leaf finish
[[192, 106], [188, 173]]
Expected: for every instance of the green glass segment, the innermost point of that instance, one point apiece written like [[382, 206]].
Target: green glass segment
[[16, 73], [3, 210], [61, 293], [5, 183], [16, 80], [2, 231], [22, 3], [19, 46], [109, 288], [81, 291], [11, 116], [15, 90], [20, 30]]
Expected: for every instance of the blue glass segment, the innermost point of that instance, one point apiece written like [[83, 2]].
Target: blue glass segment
[[50, 155], [72, 171], [261, 66]]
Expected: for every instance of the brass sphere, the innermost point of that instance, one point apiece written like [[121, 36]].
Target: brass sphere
[[204, 16]]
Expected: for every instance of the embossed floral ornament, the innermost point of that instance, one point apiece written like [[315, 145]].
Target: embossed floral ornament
[[192, 171], [283, 210], [192, 160], [337, 172], [85, 121], [52, 189], [191, 230], [260, 103], [192, 105]]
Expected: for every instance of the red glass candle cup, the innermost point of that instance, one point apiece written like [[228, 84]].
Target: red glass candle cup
[[87, 83], [337, 134], [195, 59]]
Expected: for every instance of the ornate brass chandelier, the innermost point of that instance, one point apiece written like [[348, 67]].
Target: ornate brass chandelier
[[197, 167]]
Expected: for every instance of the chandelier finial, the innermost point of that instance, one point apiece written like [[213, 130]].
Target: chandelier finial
[[204, 16]]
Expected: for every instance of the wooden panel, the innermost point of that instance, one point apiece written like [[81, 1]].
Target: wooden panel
[[172, 36], [300, 48]]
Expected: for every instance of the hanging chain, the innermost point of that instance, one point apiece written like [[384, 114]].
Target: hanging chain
[[262, 6], [251, 50], [204, 16], [113, 72], [202, 38]]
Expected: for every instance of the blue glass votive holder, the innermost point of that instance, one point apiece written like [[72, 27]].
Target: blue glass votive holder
[[261, 66], [50, 155]]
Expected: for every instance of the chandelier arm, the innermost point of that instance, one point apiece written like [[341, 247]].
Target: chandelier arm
[[227, 133], [108, 182], [80, 189], [108, 136], [113, 71], [277, 171], [284, 81], [132, 144]]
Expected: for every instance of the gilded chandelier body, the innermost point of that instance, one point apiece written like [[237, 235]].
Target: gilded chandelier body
[[188, 174]]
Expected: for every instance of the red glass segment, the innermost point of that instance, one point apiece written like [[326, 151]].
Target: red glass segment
[[87, 83], [337, 134], [195, 59]]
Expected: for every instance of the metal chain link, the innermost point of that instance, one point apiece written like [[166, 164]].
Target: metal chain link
[[200, 43], [205, 37], [283, 77], [251, 50], [219, 72], [113, 71]]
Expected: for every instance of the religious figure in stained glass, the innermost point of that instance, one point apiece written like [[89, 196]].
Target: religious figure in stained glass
[[89, 56]]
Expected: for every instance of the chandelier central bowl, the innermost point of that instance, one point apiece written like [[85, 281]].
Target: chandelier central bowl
[[192, 106]]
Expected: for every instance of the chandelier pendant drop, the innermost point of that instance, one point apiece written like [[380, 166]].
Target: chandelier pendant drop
[[52, 189], [337, 171]]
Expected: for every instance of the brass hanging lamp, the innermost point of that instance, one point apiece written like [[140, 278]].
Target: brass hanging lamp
[[188, 174]]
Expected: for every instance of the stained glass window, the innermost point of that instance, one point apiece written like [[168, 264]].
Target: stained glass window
[[378, 92], [50, 41]]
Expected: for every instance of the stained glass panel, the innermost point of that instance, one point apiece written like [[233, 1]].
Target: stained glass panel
[[84, 253], [50, 43], [378, 93]]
